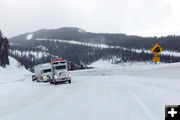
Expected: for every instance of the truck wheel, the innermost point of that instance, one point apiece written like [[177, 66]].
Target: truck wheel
[[69, 81], [54, 82]]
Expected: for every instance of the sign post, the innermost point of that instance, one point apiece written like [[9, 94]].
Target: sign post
[[156, 49], [156, 59]]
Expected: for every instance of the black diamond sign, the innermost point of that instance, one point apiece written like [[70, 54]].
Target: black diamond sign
[[172, 112]]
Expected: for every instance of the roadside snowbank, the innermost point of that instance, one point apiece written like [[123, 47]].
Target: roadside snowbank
[[13, 72], [109, 64], [161, 70]]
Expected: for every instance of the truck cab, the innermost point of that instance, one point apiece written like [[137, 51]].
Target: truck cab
[[43, 72], [60, 71], [46, 73]]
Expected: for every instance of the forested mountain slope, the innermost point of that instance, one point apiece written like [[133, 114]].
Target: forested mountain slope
[[82, 48]]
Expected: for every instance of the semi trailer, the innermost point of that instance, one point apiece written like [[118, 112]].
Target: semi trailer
[[43, 72]]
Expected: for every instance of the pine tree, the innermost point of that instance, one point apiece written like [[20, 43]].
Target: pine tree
[[4, 50]]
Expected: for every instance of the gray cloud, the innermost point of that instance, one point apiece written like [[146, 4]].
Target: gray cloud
[[141, 17]]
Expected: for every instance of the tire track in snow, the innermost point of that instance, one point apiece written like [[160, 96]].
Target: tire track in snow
[[24, 99], [13, 81], [159, 86], [144, 107]]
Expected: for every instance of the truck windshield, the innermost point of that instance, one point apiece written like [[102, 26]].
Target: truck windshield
[[61, 67], [55, 63], [46, 70]]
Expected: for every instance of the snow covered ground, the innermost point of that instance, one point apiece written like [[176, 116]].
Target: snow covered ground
[[124, 93]]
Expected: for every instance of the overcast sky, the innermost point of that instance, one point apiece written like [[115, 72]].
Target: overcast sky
[[137, 17]]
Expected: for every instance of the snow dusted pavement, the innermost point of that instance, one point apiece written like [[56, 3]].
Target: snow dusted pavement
[[129, 93]]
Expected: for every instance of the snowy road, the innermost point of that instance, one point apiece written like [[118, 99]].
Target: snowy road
[[100, 94]]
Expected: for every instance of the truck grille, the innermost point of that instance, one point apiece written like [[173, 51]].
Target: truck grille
[[62, 74]]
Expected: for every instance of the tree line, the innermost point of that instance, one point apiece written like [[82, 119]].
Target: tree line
[[79, 55]]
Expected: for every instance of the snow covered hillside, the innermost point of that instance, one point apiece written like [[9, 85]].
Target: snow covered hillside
[[29, 37], [13, 72], [104, 46], [115, 93], [34, 54], [83, 48]]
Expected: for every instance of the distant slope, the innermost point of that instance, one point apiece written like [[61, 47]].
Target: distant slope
[[71, 33], [83, 48]]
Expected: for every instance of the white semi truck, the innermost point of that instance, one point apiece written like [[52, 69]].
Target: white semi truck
[[55, 72], [59, 71], [42, 72]]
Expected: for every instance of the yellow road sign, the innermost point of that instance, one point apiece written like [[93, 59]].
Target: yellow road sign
[[156, 49], [156, 59]]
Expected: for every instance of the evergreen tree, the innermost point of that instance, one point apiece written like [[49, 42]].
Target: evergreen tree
[[4, 50]]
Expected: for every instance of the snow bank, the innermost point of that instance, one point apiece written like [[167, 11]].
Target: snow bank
[[106, 64], [109, 64], [13, 72], [162, 70]]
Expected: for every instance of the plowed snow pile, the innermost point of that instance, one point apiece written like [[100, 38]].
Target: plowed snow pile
[[13, 72]]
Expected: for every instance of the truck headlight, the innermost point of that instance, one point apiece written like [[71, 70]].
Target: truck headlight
[[69, 75], [44, 77], [55, 76]]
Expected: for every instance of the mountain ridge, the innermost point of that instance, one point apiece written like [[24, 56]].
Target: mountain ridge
[[83, 48]]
